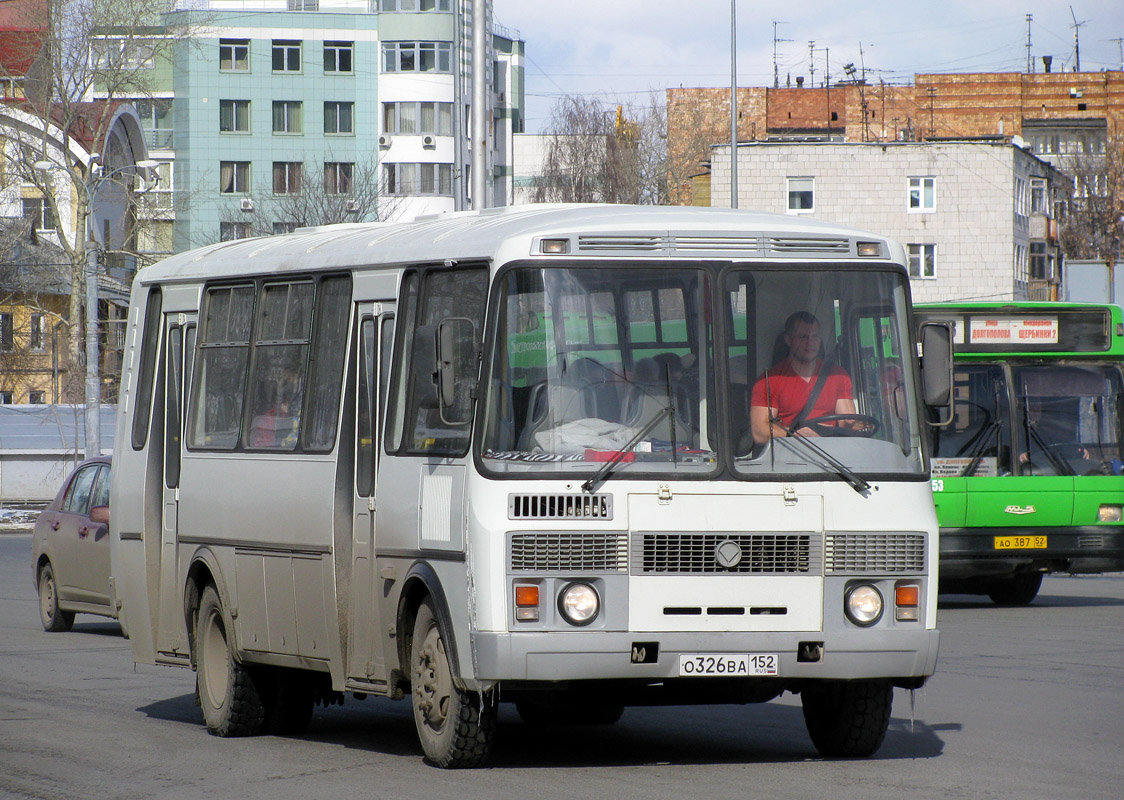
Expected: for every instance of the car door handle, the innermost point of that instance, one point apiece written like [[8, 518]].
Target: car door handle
[[55, 525], [83, 532]]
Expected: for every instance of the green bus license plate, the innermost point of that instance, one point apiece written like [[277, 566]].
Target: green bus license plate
[[1020, 542]]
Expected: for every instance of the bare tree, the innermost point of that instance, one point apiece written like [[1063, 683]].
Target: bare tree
[[83, 49], [315, 193], [597, 155], [1094, 225]]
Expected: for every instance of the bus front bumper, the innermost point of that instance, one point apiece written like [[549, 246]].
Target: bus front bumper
[[601, 655], [981, 552]]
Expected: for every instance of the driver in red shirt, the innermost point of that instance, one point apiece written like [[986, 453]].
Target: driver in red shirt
[[782, 392]]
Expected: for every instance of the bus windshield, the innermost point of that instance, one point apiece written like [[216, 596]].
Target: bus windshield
[[1068, 419], [620, 363]]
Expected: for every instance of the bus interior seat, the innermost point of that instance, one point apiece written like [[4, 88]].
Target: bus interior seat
[[648, 396]]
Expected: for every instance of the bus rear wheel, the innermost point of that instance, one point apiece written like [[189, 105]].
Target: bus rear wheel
[[455, 727], [232, 704], [1017, 590], [847, 719]]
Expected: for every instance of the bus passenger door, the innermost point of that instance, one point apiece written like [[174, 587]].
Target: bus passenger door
[[366, 660], [180, 343]]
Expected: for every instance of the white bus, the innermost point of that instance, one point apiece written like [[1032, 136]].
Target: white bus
[[507, 456]]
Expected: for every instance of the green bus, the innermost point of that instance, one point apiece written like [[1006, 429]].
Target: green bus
[[1028, 472]]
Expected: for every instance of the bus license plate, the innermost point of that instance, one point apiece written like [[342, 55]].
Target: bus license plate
[[722, 665], [1020, 542]]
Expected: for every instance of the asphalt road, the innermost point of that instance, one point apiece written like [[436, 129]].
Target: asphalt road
[[1027, 703]]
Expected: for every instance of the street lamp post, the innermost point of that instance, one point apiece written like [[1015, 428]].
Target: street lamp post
[[93, 371]]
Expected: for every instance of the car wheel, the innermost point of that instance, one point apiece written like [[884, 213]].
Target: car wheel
[[228, 694], [455, 727], [53, 618]]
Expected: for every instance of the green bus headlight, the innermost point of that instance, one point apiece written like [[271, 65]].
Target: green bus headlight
[[1109, 512]]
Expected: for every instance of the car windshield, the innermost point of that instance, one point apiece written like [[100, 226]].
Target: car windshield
[[619, 363]]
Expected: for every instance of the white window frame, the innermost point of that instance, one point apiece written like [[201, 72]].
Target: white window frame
[[918, 200], [233, 46], [332, 50], [288, 45], [333, 113], [793, 184], [922, 258], [292, 124], [234, 106], [240, 174]]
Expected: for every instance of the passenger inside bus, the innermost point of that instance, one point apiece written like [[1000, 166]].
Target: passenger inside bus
[[803, 385], [278, 426]]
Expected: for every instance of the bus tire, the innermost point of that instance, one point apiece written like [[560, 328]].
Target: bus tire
[[455, 727], [847, 719], [1017, 590], [229, 696], [54, 619]]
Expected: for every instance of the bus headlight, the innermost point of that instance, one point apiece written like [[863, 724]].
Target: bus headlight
[[863, 604], [1110, 513], [579, 603]]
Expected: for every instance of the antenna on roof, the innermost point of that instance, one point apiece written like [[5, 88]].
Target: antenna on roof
[[1076, 40]]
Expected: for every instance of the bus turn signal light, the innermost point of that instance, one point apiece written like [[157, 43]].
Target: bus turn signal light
[[906, 602], [527, 603]]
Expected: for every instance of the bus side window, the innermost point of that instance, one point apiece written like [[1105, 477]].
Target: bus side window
[[150, 337]]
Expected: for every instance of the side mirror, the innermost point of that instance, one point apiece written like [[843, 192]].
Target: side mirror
[[456, 369], [425, 366], [935, 340], [100, 515]]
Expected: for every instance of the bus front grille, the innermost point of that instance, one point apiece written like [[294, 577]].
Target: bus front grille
[[559, 506], [874, 552], [559, 551], [725, 553]]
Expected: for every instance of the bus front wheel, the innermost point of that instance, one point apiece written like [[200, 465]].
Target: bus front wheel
[[1018, 590], [228, 694], [847, 719], [455, 727]]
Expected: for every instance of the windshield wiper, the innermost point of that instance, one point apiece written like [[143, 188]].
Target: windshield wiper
[[840, 469], [607, 470]]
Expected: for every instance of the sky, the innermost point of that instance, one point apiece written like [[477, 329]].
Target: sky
[[628, 51]]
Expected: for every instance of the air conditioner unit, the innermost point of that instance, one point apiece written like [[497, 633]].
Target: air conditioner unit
[[247, 204], [429, 142], [352, 206], [385, 140]]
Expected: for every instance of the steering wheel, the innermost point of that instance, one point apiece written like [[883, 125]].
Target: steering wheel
[[866, 425]]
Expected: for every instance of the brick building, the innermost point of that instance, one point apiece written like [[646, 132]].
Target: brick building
[[1060, 114]]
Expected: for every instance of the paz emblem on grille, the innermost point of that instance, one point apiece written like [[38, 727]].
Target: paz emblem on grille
[[728, 553]]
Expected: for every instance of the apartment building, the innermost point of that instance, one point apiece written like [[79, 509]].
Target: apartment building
[[977, 217], [284, 113]]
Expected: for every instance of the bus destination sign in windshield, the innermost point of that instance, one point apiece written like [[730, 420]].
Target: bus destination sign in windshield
[[1013, 330]]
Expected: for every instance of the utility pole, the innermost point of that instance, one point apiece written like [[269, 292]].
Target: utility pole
[[1076, 40], [1120, 44], [1029, 57], [733, 103], [480, 110], [776, 70]]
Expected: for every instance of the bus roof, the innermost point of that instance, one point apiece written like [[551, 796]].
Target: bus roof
[[504, 234]]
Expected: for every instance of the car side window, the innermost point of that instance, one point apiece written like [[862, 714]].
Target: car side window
[[100, 495], [78, 497]]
